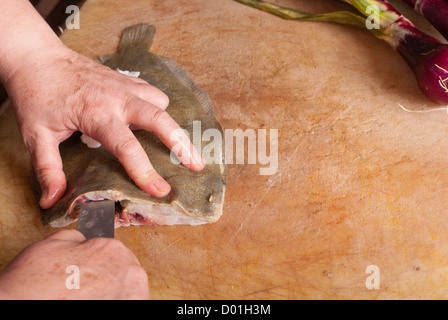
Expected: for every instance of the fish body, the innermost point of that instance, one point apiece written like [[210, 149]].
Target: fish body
[[95, 174]]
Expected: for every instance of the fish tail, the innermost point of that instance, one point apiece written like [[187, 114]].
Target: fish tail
[[138, 34]]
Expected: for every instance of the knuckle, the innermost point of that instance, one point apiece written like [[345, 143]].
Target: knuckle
[[41, 174], [107, 246], [45, 174], [97, 123], [97, 110], [63, 234], [34, 138], [138, 277], [164, 100], [29, 139], [94, 113], [106, 88], [92, 117], [160, 116], [114, 245], [138, 273], [127, 145]]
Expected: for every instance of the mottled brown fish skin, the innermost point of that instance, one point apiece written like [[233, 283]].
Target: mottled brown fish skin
[[197, 195]]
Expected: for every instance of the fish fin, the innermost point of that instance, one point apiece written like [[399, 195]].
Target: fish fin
[[200, 94], [142, 33]]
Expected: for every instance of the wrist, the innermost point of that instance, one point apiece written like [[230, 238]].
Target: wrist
[[23, 70], [32, 55], [24, 36]]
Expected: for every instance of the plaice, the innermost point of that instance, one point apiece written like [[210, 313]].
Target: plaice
[[95, 174]]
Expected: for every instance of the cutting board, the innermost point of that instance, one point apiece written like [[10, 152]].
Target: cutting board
[[360, 181]]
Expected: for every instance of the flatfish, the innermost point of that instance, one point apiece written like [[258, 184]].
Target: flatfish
[[95, 174]]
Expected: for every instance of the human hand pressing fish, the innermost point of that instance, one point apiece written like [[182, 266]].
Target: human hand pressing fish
[[56, 91]]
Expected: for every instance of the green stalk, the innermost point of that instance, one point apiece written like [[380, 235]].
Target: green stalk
[[340, 17], [427, 56], [392, 24], [387, 14]]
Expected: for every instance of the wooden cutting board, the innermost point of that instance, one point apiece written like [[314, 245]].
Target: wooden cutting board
[[360, 181]]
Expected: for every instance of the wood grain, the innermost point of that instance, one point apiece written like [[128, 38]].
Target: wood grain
[[360, 181]]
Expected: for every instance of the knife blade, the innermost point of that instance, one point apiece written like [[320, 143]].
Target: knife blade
[[96, 219]]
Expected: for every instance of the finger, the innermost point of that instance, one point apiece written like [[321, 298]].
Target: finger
[[145, 91], [47, 163], [121, 142], [146, 116], [151, 94], [68, 235]]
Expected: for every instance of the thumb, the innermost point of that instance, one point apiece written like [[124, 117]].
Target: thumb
[[47, 163]]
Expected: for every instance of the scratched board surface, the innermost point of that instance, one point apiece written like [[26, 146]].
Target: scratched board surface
[[360, 182]]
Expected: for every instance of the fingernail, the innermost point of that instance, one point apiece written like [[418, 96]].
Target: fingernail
[[48, 197], [53, 195], [161, 185], [197, 159], [44, 196], [201, 164]]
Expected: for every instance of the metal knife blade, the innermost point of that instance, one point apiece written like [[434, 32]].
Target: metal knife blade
[[96, 219]]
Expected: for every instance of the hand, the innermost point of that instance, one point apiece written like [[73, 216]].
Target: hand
[[107, 270], [58, 92]]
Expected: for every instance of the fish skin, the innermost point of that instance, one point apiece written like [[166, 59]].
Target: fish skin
[[95, 174]]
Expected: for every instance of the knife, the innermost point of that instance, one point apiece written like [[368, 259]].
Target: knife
[[96, 219]]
